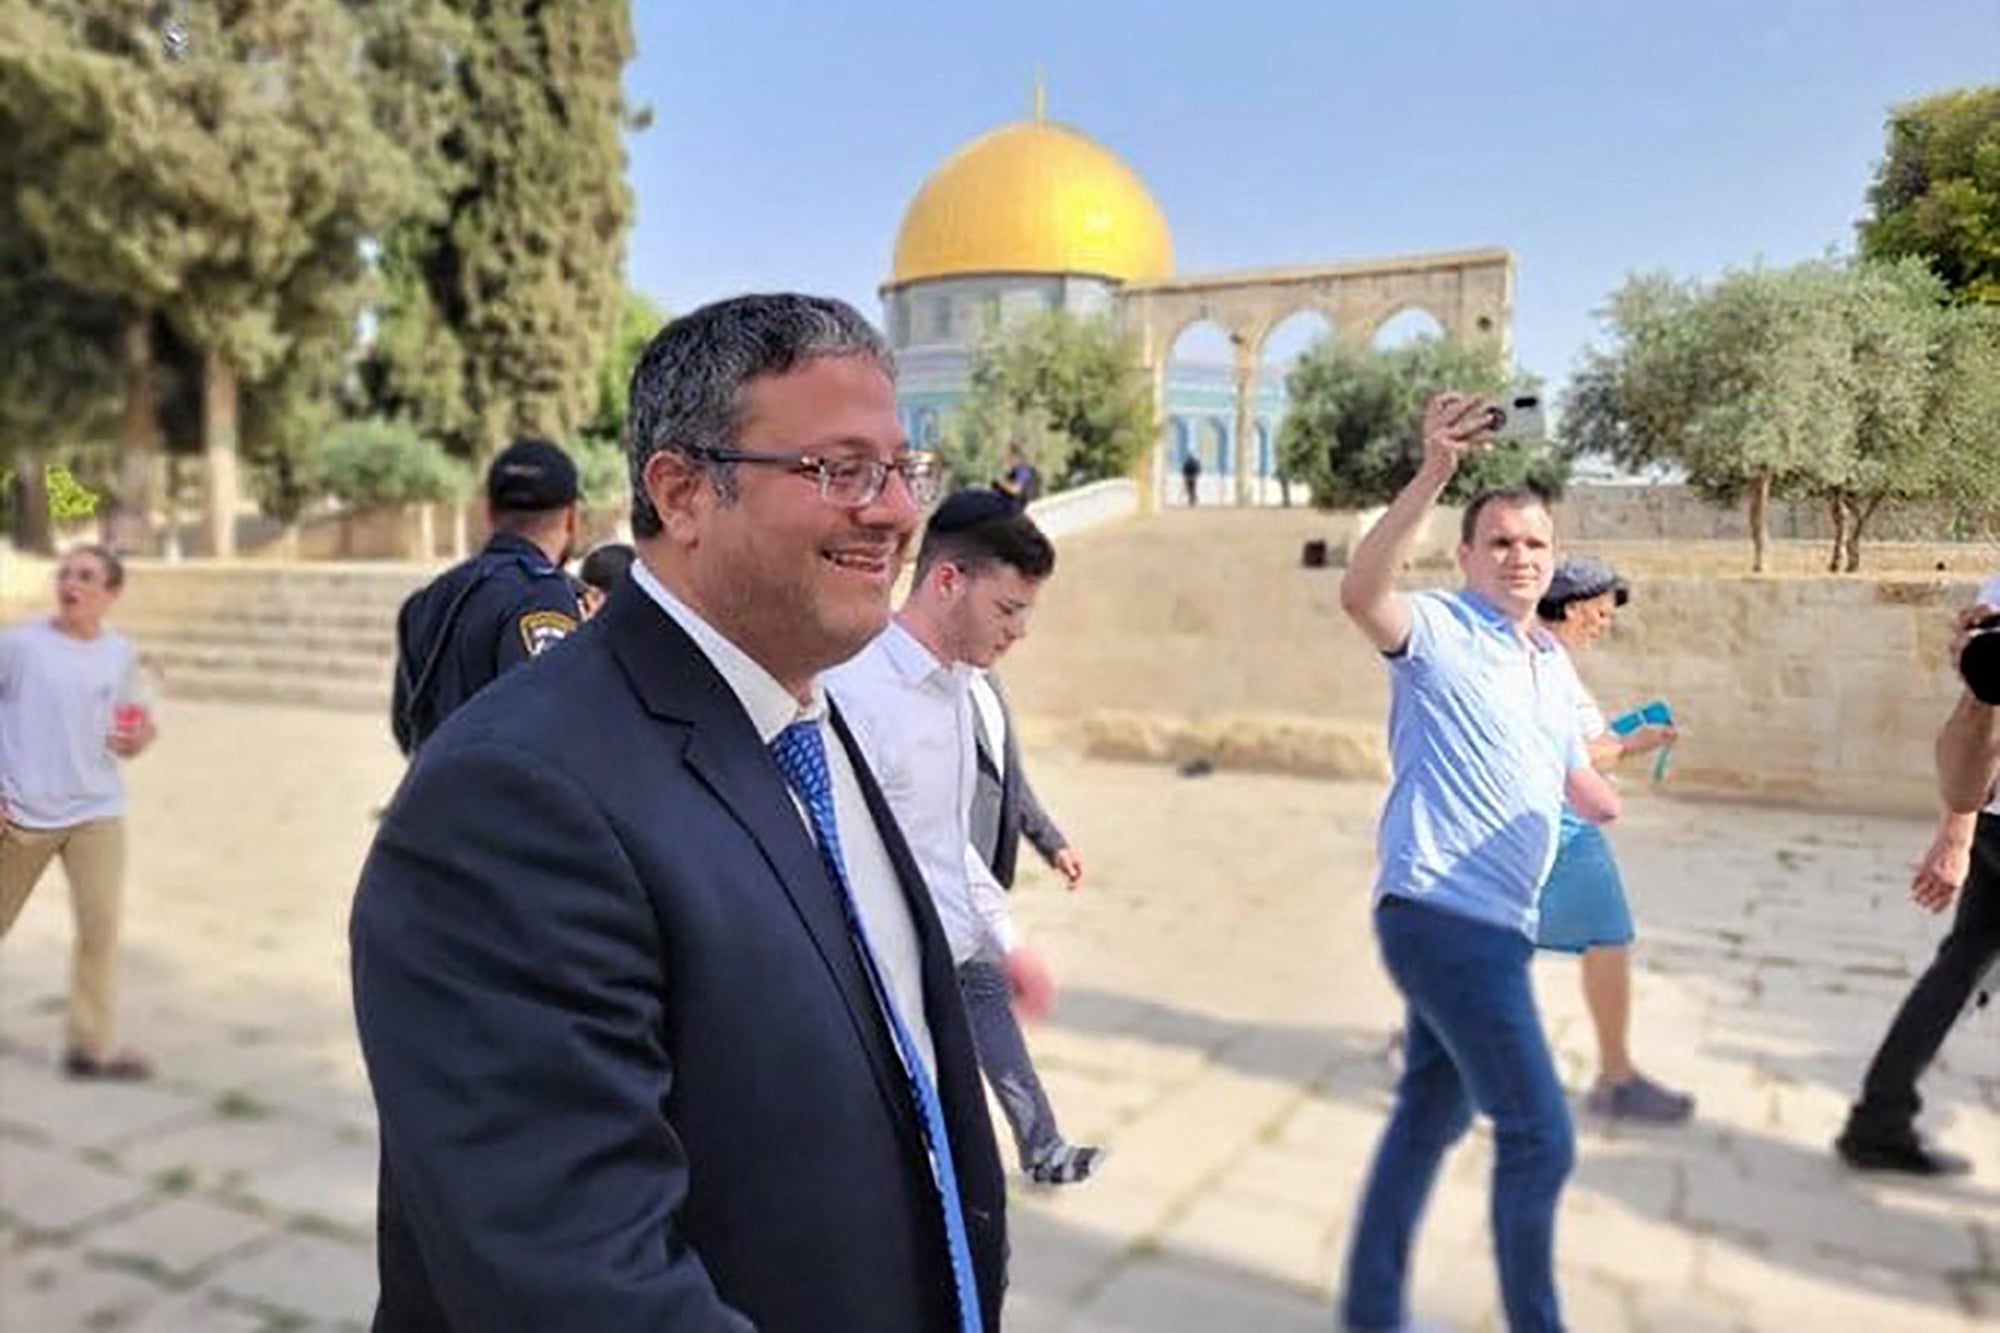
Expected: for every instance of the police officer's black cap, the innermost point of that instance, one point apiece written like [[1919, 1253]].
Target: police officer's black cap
[[971, 507], [531, 475]]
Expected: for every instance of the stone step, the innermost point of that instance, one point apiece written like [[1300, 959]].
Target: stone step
[[178, 660], [268, 592], [261, 604], [354, 696], [360, 637]]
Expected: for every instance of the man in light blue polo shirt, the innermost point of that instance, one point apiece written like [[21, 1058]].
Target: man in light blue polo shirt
[[1485, 747]]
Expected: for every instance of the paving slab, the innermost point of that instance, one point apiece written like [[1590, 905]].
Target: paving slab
[[178, 1236]]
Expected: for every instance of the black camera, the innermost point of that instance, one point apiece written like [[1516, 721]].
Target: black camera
[[1979, 663]]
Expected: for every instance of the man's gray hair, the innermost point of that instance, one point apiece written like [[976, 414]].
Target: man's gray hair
[[687, 390]]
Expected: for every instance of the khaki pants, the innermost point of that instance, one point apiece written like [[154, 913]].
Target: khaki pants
[[93, 857]]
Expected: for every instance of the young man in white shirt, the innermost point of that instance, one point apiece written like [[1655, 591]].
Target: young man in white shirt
[[72, 704], [908, 697]]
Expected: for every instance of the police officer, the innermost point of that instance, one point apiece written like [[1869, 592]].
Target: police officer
[[501, 607]]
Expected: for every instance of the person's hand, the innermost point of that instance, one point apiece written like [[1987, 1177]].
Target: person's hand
[[134, 735], [1964, 622], [1455, 424], [1070, 866], [1942, 871], [1646, 739], [1034, 986]]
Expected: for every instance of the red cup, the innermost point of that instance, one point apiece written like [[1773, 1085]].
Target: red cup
[[129, 718]]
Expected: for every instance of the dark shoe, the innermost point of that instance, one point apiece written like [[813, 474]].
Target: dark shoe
[[124, 1067], [1907, 1154], [1066, 1165], [1640, 1101]]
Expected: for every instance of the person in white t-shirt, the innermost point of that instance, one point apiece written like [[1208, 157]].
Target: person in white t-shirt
[[72, 705]]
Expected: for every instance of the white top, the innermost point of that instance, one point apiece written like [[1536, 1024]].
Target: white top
[[878, 897], [913, 716], [57, 697], [1590, 723], [992, 720]]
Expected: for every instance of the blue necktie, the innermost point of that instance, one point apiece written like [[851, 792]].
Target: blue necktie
[[801, 756]]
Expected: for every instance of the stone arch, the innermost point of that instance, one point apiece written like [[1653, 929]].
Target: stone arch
[[1407, 323], [1293, 333], [1470, 293]]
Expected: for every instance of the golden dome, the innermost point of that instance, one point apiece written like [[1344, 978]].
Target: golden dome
[[1035, 196]]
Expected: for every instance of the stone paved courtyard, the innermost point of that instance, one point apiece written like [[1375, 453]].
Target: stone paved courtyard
[[1221, 1029]]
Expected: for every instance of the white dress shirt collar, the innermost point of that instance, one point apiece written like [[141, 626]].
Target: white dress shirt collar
[[771, 706], [915, 662]]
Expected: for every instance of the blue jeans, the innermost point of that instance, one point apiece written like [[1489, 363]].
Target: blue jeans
[[1472, 1039]]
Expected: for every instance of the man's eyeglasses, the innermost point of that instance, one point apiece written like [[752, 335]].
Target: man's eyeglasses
[[851, 483], [75, 574]]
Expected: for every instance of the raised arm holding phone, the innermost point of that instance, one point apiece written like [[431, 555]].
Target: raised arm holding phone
[[1485, 747]]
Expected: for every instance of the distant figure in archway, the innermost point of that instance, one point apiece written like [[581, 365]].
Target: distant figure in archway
[[1191, 476]]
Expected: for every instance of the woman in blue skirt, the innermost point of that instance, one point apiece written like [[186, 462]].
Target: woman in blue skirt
[[1583, 908]]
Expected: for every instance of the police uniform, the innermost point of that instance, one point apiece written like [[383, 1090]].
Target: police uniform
[[488, 614]]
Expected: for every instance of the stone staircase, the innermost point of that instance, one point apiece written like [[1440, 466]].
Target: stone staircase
[[318, 635]]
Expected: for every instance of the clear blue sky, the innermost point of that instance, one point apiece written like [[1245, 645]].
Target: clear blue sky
[[1594, 139]]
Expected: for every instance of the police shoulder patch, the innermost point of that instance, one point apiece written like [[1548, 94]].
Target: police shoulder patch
[[541, 629]]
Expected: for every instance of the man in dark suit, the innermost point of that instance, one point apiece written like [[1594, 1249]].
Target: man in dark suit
[[661, 1023]]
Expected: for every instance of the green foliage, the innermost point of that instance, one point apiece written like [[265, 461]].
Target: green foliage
[[1852, 383], [377, 464], [229, 186], [639, 318], [58, 370], [499, 305], [1723, 382], [214, 192], [1963, 418], [1070, 393], [602, 472], [69, 499], [1352, 431], [1936, 194]]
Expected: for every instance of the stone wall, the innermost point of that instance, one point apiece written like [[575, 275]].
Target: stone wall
[[1675, 513], [1156, 633]]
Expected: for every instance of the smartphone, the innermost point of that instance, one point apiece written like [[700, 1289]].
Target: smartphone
[[1518, 416]]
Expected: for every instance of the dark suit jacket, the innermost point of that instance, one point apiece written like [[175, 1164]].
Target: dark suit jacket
[[629, 1068], [1004, 805]]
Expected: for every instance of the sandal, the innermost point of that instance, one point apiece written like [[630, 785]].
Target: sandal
[[125, 1067], [1066, 1165]]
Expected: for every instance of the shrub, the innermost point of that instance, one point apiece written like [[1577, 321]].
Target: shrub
[[380, 464]]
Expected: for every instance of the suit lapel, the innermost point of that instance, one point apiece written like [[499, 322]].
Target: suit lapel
[[675, 680], [1006, 846]]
